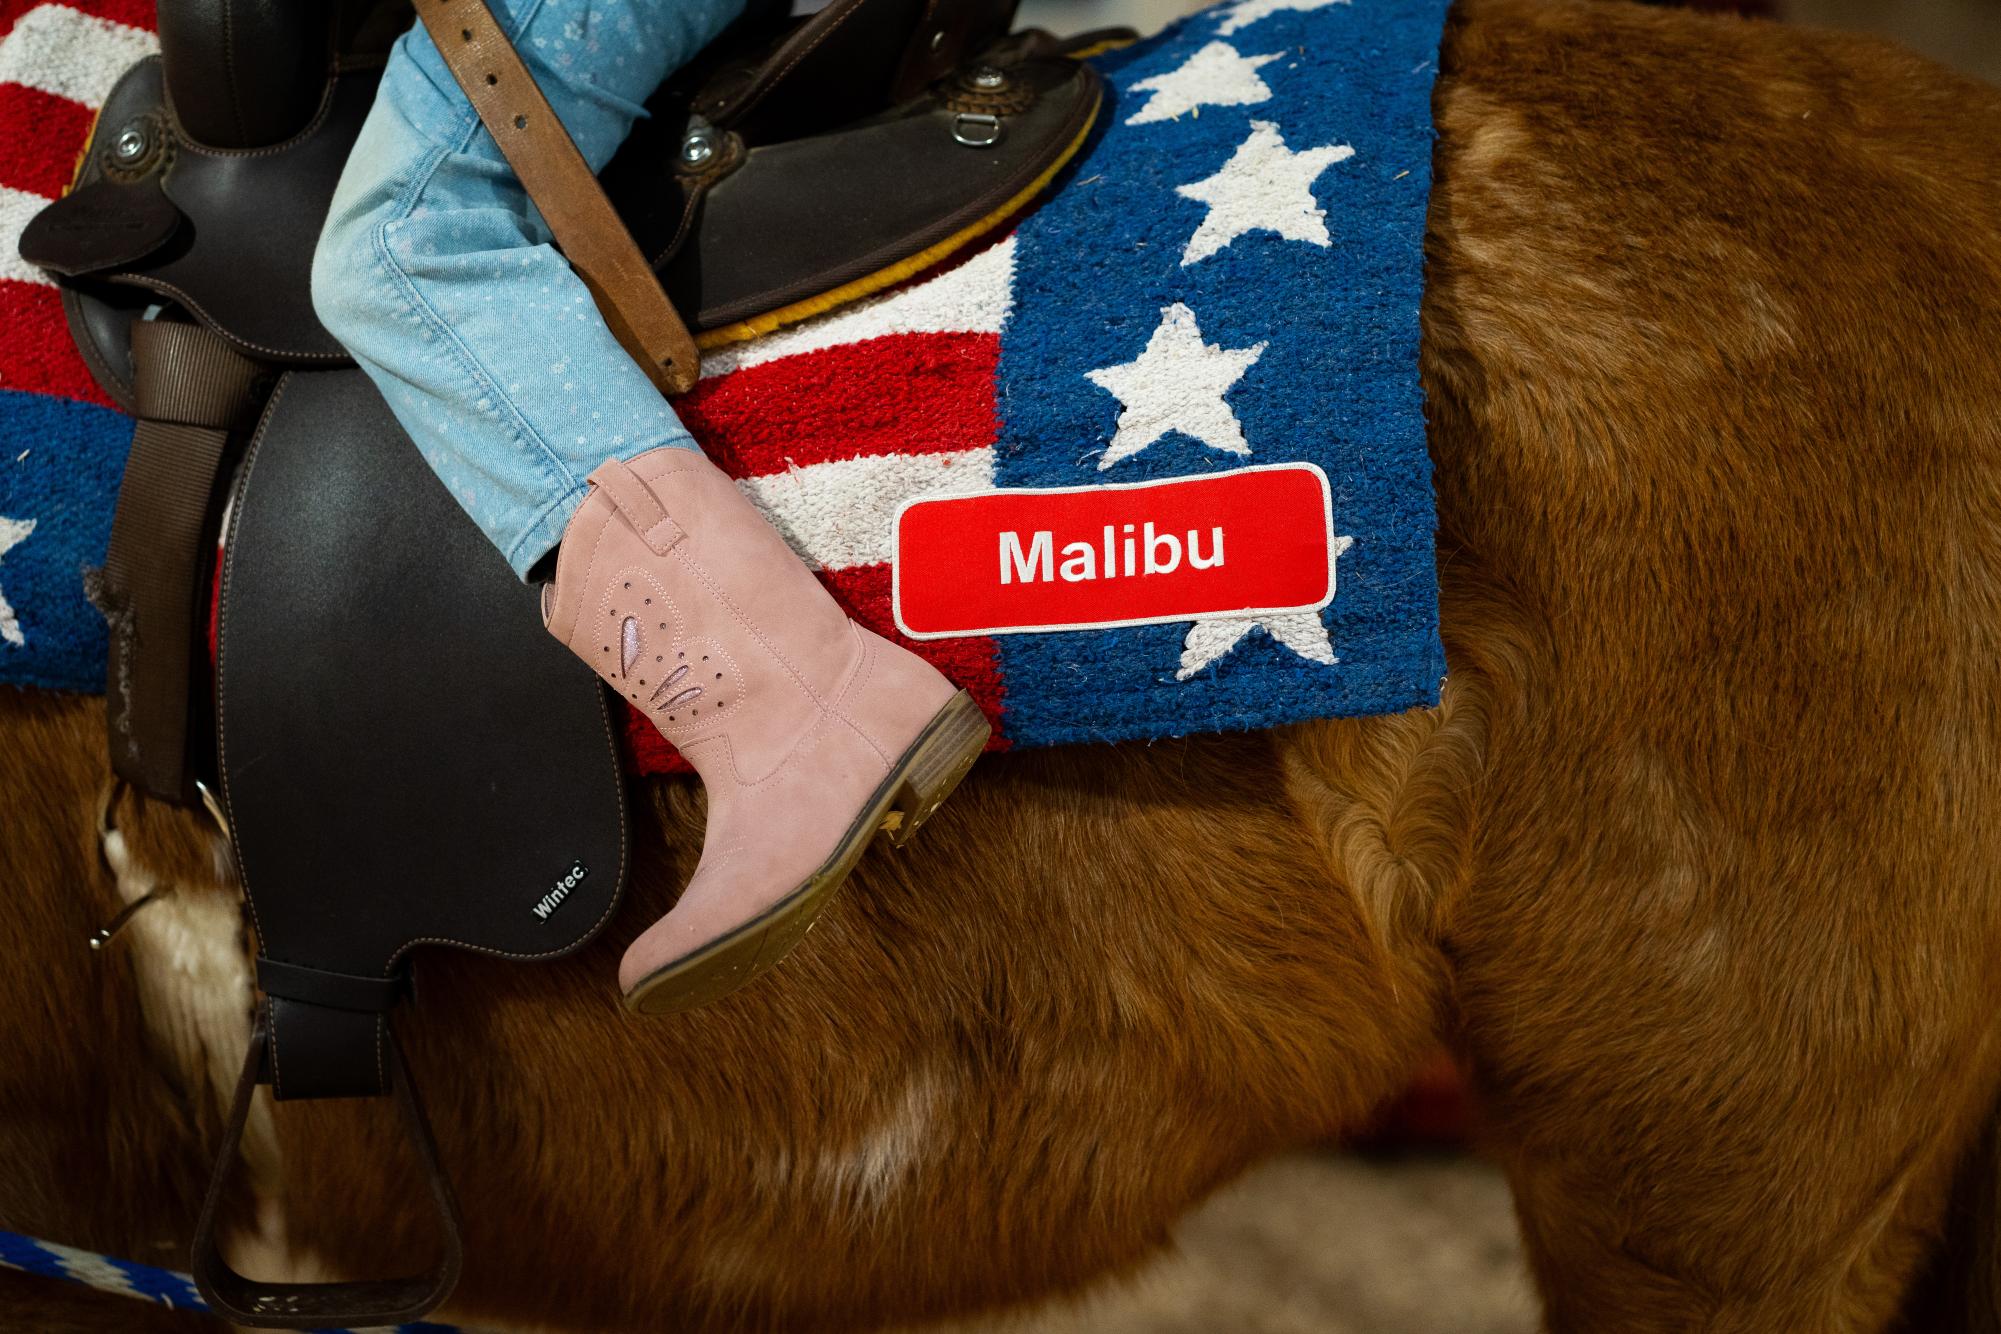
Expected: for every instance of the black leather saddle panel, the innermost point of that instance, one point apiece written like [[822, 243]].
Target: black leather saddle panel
[[407, 757]]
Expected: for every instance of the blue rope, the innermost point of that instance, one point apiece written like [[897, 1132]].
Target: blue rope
[[128, 1278]]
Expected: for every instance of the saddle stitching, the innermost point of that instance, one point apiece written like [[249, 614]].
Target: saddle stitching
[[611, 906], [761, 91], [236, 509], [271, 1038], [318, 360], [188, 142]]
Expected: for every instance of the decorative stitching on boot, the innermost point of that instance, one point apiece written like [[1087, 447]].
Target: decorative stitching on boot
[[709, 668], [696, 569]]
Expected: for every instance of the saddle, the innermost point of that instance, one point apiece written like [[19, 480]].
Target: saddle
[[797, 165]]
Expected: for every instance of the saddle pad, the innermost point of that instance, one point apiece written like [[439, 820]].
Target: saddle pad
[[1228, 278]]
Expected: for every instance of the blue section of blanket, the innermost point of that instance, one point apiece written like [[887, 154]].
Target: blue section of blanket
[[58, 487], [1263, 175], [1255, 198]]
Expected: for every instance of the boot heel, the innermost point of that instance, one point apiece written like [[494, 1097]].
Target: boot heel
[[934, 764]]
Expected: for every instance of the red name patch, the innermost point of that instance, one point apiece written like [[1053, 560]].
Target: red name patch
[[1254, 541]]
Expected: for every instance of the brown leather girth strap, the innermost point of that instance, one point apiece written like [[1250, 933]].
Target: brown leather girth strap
[[191, 389], [561, 185]]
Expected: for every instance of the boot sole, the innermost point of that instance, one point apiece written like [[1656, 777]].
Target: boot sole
[[918, 784]]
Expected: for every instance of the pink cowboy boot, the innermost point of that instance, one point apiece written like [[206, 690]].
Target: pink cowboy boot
[[809, 732]]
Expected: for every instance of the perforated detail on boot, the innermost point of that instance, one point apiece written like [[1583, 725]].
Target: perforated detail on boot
[[677, 682]]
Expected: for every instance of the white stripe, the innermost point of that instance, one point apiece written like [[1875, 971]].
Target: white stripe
[[71, 54], [93, 1270], [16, 207], [841, 514], [974, 297]]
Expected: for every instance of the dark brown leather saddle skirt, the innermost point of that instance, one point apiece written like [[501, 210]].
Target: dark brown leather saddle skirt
[[400, 755]]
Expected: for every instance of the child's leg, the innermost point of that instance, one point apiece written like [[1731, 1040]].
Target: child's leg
[[438, 275], [809, 732]]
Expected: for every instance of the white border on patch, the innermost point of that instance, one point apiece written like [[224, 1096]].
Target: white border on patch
[[896, 553]]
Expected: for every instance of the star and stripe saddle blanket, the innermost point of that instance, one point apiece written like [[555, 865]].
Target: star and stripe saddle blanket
[[1151, 464]]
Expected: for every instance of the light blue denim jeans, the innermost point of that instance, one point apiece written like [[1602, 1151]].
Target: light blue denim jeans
[[438, 275]]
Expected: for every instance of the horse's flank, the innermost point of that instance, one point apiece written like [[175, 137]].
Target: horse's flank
[[1695, 863]]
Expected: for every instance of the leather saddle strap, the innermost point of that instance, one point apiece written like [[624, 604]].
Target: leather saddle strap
[[367, 1302], [561, 185], [951, 30], [190, 389]]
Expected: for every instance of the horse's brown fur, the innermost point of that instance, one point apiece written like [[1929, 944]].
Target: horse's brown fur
[[1696, 863]]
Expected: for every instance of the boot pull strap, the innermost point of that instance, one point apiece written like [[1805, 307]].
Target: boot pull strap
[[636, 501], [560, 184]]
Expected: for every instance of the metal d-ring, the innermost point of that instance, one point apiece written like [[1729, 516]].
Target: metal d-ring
[[106, 827], [976, 129], [104, 935]]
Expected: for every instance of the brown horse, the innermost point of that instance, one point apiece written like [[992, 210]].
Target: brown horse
[[1696, 864]]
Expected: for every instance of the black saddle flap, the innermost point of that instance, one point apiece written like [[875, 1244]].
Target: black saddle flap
[[407, 757]]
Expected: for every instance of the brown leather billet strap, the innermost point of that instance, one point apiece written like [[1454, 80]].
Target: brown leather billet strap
[[190, 389], [561, 185], [951, 31], [364, 1302]]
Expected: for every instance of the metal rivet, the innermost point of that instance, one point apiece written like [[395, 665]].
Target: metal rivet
[[131, 145], [988, 79], [698, 147], [937, 40]]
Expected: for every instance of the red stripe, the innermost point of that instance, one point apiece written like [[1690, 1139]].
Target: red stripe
[[36, 353], [929, 393], [40, 137], [863, 592], [136, 13]]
